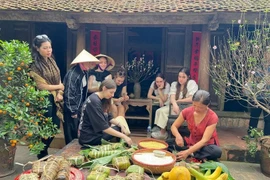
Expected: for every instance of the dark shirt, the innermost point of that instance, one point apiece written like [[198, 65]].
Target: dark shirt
[[93, 121], [100, 76], [118, 91]]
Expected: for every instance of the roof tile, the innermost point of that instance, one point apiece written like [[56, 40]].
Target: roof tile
[[140, 6]]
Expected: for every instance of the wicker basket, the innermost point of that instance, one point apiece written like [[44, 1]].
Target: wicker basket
[[154, 169], [154, 140]]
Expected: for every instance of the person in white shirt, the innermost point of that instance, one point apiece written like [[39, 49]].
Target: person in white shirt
[[159, 93], [180, 92]]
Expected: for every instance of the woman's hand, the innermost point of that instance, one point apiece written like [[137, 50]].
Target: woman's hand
[[121, 99], [126, 98], [128, 140], [161, 103], [182, 155], [176, 109], [61, 87], [59, 97], [179, 141]]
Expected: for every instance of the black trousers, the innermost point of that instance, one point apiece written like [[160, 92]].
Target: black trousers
[[105, 136], [51, 113], [254, 119], [70, 126], [209, 152]]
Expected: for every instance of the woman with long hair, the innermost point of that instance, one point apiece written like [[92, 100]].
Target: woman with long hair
[[46, 74], [159, 93], [181, 92], [96, 121], [120, 95]]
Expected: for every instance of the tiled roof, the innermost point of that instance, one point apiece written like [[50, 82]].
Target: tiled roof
[[134, 6]]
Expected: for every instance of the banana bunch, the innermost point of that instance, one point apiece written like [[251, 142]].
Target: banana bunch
[[216, 175]]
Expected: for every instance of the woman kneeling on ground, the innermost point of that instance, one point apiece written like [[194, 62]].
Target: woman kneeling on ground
[[202, 143], [95, 123]]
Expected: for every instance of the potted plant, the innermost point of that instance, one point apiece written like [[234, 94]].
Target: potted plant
[[22, 105], [255, 141], [139, 70]]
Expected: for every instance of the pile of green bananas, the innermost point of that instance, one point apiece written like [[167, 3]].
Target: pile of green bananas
[[216, 175]]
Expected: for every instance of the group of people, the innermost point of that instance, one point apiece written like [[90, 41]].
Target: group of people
[[85, 98], [93, 108]]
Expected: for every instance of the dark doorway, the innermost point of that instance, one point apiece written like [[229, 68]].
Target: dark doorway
[[57, 32], [145, 41]]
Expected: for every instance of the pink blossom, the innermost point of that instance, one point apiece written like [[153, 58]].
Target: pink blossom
[[215, 47]]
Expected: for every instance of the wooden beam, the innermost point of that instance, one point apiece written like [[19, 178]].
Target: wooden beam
[[158, 18], [153, 18], [80, 39], [204, 59]]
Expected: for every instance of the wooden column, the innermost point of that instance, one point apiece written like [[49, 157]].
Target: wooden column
[[204, 59], [80, 39]]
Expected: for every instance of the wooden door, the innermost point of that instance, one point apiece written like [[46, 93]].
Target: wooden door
[[174, 52], [17, 30], [115, 45]]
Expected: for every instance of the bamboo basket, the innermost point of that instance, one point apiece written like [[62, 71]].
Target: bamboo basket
[[154, 140], [154, 169]]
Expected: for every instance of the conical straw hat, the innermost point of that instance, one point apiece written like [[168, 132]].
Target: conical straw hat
[[84, 56], [111, 62]]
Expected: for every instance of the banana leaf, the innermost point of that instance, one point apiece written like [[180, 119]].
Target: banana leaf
[[104, 160], [213, 165]]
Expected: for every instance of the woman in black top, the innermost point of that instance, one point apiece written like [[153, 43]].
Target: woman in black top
[[120, 96], [101, 72], [96, 121]]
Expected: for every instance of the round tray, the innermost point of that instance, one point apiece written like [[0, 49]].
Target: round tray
[[154, 140], [155, 169], [75, 174]]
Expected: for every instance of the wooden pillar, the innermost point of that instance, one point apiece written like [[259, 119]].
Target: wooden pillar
[[80, 39], [204, 59]]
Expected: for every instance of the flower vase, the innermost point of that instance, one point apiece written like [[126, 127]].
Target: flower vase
[[137, 90]]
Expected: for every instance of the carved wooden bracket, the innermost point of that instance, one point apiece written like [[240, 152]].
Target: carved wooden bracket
[[213, 24], [72, 24]]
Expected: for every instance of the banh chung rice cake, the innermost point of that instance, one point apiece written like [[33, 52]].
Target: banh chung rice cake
[[152, 145], [151, 159]]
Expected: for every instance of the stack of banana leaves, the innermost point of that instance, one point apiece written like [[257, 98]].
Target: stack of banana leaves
[[105, 153]]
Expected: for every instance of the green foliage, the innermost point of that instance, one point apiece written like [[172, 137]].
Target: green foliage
[[253, 140], [22, 105], [213, 165]]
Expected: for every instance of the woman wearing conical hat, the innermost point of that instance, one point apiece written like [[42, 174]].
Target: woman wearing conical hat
[[76, 88], [101, 72]]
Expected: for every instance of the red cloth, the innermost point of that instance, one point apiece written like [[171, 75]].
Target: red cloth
[[196, 132], [94, 42], [195, 55]]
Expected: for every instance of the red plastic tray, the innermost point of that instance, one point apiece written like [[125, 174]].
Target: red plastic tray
[[75, 174]]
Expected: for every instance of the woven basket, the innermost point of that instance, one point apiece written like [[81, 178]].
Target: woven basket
[[154, 140], [154, 169]]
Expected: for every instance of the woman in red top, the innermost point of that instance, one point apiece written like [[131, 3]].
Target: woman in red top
[[203, 141]]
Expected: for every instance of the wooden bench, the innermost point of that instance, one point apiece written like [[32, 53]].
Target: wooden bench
[[172, 117]]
